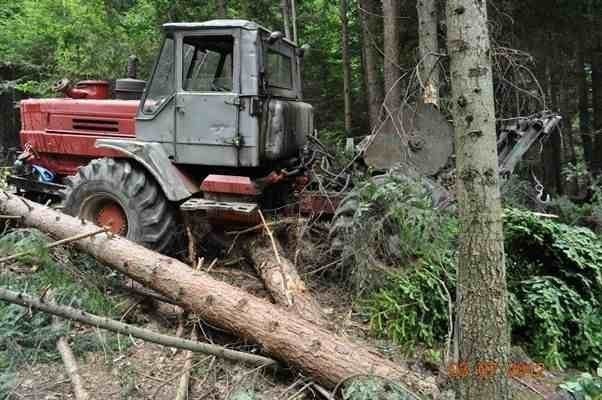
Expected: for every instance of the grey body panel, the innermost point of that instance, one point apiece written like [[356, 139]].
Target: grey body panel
[[288, 125], [159, 127], [154, 159]]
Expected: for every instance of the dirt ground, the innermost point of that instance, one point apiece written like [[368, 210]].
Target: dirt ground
[[142, 370]]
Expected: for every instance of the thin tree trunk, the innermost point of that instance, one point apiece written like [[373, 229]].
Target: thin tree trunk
[[324, 356], [552, 152], [597, 107], [222, 8], [428, 46], [392, 50], [583, 93], [482, 333], [374, 88], [284, 6], [346, 70], [294, 20]]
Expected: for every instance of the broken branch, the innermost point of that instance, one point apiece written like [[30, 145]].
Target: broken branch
[[126, 329]]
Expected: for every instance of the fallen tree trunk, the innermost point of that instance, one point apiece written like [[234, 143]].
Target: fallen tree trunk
[[326, 357], [282, 280]]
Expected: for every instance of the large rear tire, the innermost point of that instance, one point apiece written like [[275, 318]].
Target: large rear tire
[[122, 196]]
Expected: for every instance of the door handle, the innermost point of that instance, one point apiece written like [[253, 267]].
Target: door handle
[[180, 108]]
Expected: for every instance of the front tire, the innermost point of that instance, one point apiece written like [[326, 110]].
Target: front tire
[[122, 196]]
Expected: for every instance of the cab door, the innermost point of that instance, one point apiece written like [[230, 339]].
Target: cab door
[[208, 102]]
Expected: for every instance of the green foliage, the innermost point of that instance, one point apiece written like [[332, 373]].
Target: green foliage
[[28, 337], [585, 386], [554, 278], [370, 388], [413, 308]]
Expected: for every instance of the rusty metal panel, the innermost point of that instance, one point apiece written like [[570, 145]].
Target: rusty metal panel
[[229, 184]]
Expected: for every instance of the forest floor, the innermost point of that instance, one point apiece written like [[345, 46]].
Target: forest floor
[[118, 367], [134, 369]]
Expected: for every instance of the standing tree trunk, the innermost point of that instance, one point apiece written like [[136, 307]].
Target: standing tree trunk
[[482, 331], [346, 73], [552, 151], [428, 48], [597, 107], [392, 50], [222, 8], [583, 93], [374, 89], [285, 16]]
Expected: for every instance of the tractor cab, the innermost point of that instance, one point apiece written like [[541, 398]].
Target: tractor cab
[[224, 92]]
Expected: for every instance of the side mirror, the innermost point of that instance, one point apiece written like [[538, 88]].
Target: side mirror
[[303, 50], [275, 36]]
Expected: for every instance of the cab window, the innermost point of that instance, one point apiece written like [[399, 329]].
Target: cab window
[[162, 82], [207, 63], [279, 70]]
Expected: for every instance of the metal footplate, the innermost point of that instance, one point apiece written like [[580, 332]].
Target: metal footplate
[[214, 205]]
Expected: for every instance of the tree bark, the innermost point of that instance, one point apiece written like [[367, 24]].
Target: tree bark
[[481, 330], [326, 357], [552, 151], [222, 8], [284, 6], [284, 283], [583, 93], [374, 88], [428, 48], [346, 69], [392, 50], [596, 58]]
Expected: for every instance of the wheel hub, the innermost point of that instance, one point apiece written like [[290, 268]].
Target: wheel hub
[[111, 215]]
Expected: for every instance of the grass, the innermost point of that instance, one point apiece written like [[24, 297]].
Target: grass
[[28, 337]]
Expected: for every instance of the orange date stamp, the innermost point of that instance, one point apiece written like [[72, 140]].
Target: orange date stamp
[[488, 369]]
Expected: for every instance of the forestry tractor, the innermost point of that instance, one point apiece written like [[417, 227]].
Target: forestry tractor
[[220, 129]]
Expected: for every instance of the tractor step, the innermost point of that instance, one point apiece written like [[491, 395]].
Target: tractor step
[[221, 206]]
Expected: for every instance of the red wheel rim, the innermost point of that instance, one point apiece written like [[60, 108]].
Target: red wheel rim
[[111, 215]]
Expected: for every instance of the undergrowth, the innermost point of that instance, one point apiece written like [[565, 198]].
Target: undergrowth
[[27, 336], [554, 277]]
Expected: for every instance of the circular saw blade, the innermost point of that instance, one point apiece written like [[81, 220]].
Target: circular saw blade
[[422, 139], [431, 139]]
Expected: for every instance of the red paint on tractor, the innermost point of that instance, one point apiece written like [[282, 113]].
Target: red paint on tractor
[[63, 132], [229, 184], [89, 90], [112, 216]]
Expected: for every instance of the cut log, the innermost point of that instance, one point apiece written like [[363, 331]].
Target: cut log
[[282, 280], [326, 357]]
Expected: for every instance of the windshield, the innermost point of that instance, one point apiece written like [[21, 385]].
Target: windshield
[[207, 63], [162, 83]]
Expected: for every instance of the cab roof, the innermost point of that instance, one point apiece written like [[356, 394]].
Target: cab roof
[[217, 24], [214, 23]]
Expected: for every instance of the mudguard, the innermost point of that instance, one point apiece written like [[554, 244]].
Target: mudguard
[[155, 160]]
